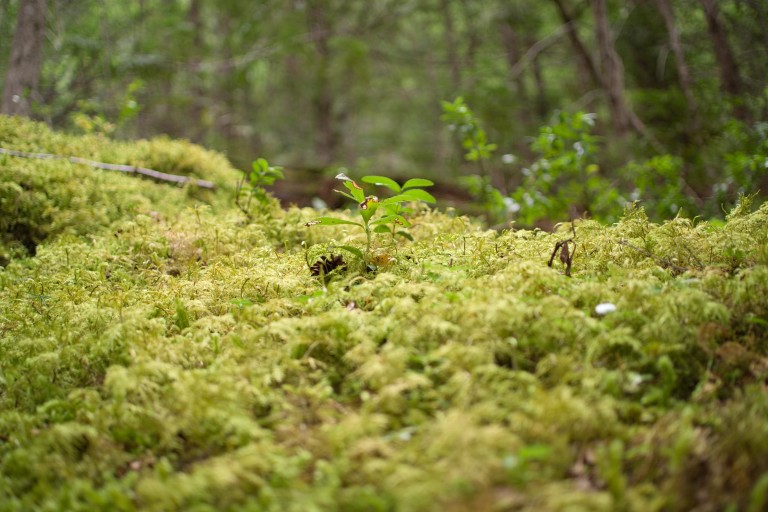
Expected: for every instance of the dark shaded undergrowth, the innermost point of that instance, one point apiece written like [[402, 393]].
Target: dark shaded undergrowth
[[157, 352]]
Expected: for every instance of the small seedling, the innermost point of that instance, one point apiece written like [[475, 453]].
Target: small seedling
[[261, 176], [466, 124], [369, 204], [413, 188]]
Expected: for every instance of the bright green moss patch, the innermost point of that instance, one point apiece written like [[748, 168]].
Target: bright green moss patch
[[157, 352]]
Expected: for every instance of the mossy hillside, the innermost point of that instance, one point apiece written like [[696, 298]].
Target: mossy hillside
[[190, 361], [40, 198]]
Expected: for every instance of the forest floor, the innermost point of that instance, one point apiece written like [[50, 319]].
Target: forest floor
[[160, 351]]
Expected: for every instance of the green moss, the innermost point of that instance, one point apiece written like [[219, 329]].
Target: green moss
[[158, 353]]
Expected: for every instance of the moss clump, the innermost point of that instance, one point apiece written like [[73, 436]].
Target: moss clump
[[158, 353], [41, 198]]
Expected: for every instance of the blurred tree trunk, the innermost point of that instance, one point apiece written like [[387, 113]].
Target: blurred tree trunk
[[451, 46], [512, 50], [195, 19], [612, 69], [327, 139], [667, 13], [542, 105], [761, 17], [588, 64], [612, 75], [26, 59], [474, 41], [730, 79]]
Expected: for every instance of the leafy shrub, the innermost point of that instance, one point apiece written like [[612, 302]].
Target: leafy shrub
[[410, 191]]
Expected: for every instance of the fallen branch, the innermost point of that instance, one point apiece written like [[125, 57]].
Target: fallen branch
[[150, 173], [664, 263]]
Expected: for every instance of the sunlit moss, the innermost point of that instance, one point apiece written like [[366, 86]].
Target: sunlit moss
[[158, 352]]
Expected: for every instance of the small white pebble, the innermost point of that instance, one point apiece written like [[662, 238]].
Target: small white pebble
[[605, 308]]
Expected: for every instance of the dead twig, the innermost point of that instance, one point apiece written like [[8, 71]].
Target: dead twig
[[566, 255], [150, 173]]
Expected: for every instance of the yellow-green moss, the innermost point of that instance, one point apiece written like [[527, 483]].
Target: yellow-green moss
[[158, 353]]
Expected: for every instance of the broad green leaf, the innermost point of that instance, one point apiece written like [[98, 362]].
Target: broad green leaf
[[396, 199], [421, 195], [393, 209], [357, 192], [331, 221], [344, 194], [392, 219], [381, 228], [405, 235], [417, 182], [369, 211], [354, 250], [383, 181]]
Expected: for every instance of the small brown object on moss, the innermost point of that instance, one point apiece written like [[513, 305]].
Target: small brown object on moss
[[326, 265]]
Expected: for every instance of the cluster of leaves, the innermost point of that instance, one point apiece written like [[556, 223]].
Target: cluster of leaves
[[393, 207], [251, 185], [667, 185], [461, 120], [565, 178]]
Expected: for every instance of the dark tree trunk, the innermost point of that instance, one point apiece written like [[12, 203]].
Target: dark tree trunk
[[451, 46], [667, 13], [588, 64], [195, 18], [327, 138], [612, 69], [511, 42], [612, 78], [26, 59], [542, 105], [730, 79]]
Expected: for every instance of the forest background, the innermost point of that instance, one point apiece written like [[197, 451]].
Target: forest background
[[677, 88]]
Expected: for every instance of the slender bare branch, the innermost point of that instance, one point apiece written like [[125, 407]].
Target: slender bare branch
[[150, 173]]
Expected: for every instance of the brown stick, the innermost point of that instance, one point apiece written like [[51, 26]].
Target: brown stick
[[150, 173]]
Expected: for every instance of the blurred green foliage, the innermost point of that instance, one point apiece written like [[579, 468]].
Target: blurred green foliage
[[316, 84]]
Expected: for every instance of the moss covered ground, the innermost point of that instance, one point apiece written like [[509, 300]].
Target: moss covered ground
[[159, 351]]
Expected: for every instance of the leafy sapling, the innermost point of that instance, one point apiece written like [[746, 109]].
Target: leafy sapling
[[261, 176], [463, 121], [368, 205], [413, 188]]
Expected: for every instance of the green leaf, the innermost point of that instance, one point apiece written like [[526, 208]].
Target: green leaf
[[417, 182], [394, 209], [392, 219], [421, 195], [396, 199], [357, 192], [345, 194], [368, 212], [381, 228], [354, 250], [331, 221], [405, 235], [241, 303], [383, 181]]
